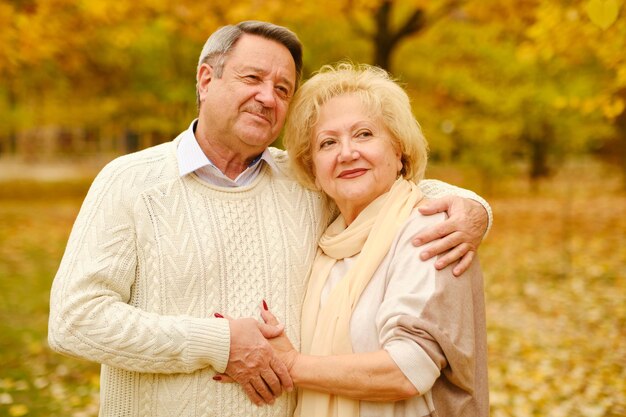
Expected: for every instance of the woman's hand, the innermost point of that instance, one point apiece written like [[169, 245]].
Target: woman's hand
[[283, 348]]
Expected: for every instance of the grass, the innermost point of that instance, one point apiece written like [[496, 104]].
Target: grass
[[33, 380], [555, 276]]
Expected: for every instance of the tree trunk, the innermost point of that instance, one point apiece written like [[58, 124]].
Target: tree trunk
[[538, 137], [386, 39], [538, 159], [620, 128], [383, 44]]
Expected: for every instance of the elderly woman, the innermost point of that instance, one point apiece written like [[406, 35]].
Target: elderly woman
[[383, 334]]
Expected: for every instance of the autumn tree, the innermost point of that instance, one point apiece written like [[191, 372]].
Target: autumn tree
[[493, 82], [118, 71], [600, 40], [385, 24], [488, 94]]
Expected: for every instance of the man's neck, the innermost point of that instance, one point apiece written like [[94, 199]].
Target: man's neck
[[231, 162]]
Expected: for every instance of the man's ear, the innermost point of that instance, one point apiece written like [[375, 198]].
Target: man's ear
[[203, 79]]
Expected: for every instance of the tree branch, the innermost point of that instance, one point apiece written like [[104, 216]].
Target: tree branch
[[413, 24]]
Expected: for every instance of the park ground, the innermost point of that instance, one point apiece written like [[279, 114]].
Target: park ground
[[555, 282]]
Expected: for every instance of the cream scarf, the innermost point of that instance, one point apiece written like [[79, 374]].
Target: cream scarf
[[326, 330]]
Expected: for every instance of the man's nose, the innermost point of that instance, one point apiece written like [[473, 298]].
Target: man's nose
[[266, 95]]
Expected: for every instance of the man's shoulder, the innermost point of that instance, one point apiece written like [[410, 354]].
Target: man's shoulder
[[284, 174], [156, 152], [280, 162], [140, 169], [279, 155]]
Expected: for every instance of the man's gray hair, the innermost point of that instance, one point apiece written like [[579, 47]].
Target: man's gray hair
[[222, 41]]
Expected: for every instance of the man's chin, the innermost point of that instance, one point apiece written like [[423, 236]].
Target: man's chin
[[259, 142]]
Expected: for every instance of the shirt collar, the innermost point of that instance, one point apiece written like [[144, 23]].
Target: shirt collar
[[191, 157]]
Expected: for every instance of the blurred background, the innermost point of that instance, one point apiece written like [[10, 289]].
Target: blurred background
[[522, 101]]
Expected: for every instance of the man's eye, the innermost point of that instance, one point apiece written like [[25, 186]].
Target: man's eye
[[284, 91]]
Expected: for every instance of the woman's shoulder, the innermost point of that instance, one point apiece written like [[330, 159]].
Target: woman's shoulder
[[417, 221], [414, 224]]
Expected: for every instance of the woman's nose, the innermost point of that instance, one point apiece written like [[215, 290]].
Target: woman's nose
[[347, 152]]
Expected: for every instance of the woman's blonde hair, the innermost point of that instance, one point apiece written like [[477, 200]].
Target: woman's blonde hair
[[378, 92]]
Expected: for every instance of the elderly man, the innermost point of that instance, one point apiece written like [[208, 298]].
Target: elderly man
[[211, 222]]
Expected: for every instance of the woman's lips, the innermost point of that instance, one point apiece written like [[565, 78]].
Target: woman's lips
[[352, 173]]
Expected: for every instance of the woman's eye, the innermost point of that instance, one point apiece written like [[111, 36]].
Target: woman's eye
[[326, 143], [364, 134]]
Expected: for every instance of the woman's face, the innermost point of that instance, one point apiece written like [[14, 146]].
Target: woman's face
[[354, 158]]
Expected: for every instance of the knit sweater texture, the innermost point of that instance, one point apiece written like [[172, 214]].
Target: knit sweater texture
[[150, 259], [152, 256]]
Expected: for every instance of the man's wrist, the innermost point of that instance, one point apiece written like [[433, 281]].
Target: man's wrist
[[208, 342], [478, 199]]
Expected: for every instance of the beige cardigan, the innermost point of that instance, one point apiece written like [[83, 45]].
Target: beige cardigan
[[431, 323]]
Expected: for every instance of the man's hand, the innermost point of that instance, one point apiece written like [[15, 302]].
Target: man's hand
[[252, 362], [461, 233]]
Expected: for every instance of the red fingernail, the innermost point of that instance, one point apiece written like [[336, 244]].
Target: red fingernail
[[217, 378], [218, 315], [264, 305]]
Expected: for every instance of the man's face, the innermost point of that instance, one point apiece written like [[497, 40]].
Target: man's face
[[246, 108]]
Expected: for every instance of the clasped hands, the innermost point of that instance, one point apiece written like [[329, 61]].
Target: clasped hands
[[254, 361]]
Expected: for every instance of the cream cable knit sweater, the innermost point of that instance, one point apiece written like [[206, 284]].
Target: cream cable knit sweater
[[153, 255]]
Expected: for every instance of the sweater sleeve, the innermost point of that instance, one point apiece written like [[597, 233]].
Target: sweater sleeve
[[437, 189], [425, 320], [90, 314]]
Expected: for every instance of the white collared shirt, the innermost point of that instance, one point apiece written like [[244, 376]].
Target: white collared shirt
[[191, 158]]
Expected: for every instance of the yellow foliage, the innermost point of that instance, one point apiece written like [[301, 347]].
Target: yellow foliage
[[603, 12], [18, 410], [526, 53], [613, 108], [555, 285], [621, 75]]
